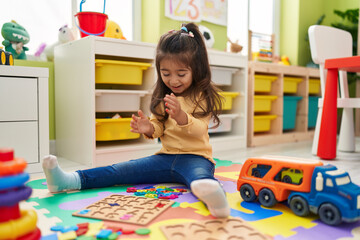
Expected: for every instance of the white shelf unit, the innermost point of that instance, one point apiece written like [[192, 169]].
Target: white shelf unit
[[75, 98], [24, 113]]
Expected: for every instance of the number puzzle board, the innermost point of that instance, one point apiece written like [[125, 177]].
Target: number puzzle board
[[215, 229], [127, 209]]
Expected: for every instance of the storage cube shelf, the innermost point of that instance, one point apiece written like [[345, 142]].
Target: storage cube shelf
[[262, 123], [97, 77], [226, 123], [262, 83], [313, 111], [289, 111], [314, 86], [228, 99], [119, 72], [114, 129], [262, 103], [291, 83], [222, 76], [118, 100], [291, 122]]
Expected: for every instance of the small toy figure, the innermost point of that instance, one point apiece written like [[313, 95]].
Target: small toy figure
[[285, 61], [234, 46], [15, 38], [113, 30], [65, 35]]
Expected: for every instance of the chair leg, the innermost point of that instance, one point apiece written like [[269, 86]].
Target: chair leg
[[316, 133], [347, 131]]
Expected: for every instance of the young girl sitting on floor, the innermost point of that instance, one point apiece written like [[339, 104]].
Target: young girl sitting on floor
[[182, 104]]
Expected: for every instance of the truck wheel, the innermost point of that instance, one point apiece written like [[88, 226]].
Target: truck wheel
[[2, 57], [267, 198], [287, 179], [329, 214], [299, 206], [247, 193], [9, 59]]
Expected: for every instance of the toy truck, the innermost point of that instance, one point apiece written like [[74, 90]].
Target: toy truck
[[315, 188]]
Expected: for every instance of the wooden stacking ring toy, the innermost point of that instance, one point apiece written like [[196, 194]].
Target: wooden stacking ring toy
[[14, 196], [10, 165], [15, 166], [6, 154], [13, 181], [19, 227], [35, 235]]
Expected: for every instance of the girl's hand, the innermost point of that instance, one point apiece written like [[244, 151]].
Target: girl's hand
[[173, 108], [141, 124]]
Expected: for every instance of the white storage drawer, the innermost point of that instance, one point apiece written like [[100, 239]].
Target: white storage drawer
[[118, 100], [23, 138], [222, 76], [18, 99], [226, 123]]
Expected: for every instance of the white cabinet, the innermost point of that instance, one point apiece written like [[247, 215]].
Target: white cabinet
[[24, 113], [76, 99]]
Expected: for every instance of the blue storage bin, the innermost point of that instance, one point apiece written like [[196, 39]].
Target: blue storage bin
[[313, 111], [289, 111]]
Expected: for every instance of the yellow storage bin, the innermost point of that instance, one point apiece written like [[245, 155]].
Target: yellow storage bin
[[291, 83], [108, 129], [314, 86], [262, 123], [262, 103], [227, 103], [263, 83], [119, 72]]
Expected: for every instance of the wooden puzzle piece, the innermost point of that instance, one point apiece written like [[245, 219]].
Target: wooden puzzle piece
[[215, 229], [123, 208]]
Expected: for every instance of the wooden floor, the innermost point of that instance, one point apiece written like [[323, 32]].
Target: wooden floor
[[349, 162]]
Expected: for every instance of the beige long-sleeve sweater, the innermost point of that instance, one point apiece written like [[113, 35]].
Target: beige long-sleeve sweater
[[192, 138]]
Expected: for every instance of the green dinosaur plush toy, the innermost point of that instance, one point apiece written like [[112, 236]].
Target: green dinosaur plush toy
[[15, 38]]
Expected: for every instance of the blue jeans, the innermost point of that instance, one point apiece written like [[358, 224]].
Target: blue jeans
[[162, 168]]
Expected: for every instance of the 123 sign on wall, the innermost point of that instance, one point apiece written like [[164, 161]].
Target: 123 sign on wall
[[214, 11]]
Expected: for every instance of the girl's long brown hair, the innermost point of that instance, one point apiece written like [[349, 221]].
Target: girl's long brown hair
[[191, 51]]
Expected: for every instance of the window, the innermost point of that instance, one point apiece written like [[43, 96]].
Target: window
[[120, 12], [43, 18], [259, 170], [329, 182], [259, 16]]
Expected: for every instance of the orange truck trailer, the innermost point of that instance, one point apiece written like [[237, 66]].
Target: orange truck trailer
[[268, 185]]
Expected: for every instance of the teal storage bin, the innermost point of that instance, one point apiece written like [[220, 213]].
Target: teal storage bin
[[289, 112], [313, 111]]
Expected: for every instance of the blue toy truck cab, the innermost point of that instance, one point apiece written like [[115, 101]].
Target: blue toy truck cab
[[332, 196]]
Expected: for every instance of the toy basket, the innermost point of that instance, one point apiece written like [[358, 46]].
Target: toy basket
[[91, 23]]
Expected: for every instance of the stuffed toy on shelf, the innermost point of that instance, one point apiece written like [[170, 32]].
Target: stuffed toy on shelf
[[15, 37], [113, 30], [65, 35]]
